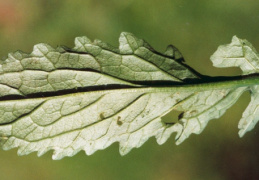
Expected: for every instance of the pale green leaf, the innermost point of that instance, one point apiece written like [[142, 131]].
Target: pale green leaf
[[238, 53], [242, 54], [251, 114], [92, 95]]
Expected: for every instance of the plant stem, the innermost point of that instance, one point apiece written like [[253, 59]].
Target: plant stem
[[213, 84]]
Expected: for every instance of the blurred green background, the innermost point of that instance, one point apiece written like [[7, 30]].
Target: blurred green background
[[197, 28]]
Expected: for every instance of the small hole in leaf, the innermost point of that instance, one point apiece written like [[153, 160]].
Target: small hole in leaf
[[172, 117]]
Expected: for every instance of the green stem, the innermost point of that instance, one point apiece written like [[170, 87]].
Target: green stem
[[235, 82], [205, 84]]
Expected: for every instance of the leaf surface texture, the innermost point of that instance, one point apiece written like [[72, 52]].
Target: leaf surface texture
[[92, 95]]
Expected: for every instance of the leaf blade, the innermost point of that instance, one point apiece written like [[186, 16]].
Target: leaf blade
[[241, 53], [251, 115], [128, 111]]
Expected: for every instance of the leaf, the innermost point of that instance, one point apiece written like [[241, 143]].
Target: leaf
[[241, 53], [238, 53], [92, 95]]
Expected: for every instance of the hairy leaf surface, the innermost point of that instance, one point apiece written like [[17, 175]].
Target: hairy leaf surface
[[92, 95]]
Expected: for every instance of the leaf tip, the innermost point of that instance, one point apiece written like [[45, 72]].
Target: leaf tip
[[173, 52], [129, 43], [124, 45], [241, 133], [123, 150], [81, 41]]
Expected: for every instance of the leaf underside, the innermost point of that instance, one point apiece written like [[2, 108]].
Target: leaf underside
[[89, 96]]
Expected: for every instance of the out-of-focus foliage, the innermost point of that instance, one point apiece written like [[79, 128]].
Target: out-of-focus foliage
[[196, 28]]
